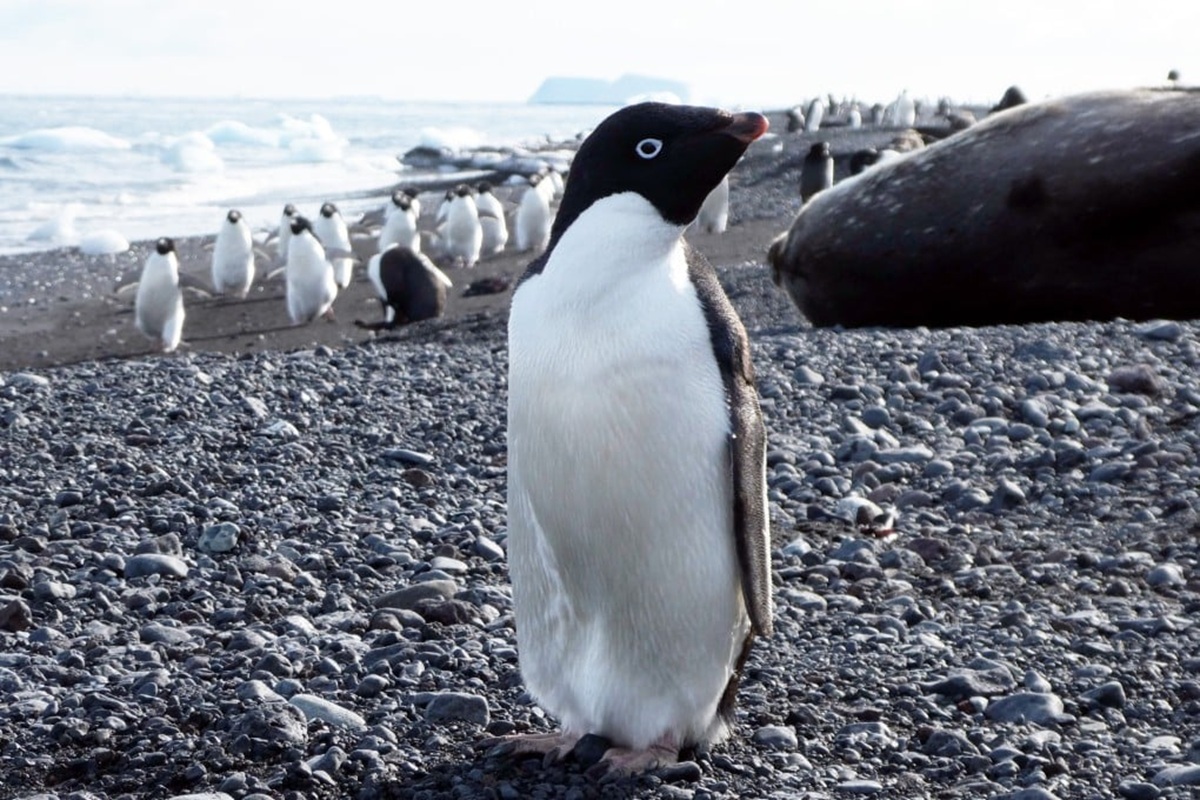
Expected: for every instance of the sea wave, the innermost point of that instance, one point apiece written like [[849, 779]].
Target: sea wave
[[67, 139]]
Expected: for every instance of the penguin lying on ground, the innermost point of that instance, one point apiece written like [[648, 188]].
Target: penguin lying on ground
[[637, 513], [410, 288]]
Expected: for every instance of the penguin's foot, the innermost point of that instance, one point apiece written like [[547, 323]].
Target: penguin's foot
[[552, 747], [328, 315], [621, 762]]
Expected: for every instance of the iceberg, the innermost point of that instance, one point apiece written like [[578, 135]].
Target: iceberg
[[595, 91]]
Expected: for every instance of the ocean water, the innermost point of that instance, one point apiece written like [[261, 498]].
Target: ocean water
[[74, 168]]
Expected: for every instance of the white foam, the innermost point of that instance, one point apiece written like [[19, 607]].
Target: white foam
[[71, 138], [232, 131], [192, 153]]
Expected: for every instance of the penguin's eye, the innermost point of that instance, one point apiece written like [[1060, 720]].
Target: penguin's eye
[[649, 148]]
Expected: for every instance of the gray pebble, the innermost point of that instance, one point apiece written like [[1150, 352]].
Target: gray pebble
[[776, 737], [458, 707], [319, 708], [143, 564]]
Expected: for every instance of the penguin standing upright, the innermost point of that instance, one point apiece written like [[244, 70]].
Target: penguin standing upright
[[233, 256], [637, 516], [714, 213], [400, 225], [158, 306], [491, 219], [285, 232], [816, 174], [331, 229], [533, 219], [462, 234], [311, 288]]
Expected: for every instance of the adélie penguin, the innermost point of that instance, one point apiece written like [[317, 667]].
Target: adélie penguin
[[462, 235], [638, 583], [714, 213], [233, 256], [400, 225], [311, 288], [816, 174], [409, 286], [285, 231], [491, 219], [158, 306], [331, 229], [533, 220]]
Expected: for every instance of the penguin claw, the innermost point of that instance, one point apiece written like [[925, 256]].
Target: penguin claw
[[552, 747], [623, 762]]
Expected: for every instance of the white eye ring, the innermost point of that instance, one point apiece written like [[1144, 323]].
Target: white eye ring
[[649, 148]]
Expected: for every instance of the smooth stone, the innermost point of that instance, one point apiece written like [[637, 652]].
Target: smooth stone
[[1178, 775], [1166, 575], [458, 707], [1038, 708], [410, 596], [776, 737], [144, 564], [859, 787], [220, 538], [319, 708]]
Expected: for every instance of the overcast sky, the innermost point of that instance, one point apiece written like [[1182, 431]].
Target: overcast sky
[[744, 52]]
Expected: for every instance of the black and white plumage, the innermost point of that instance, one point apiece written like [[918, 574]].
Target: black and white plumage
[[400, 224], [158, 307], [491, 219], [534, 219], [462, 234], [285, 232], [233, 256], [311, 288], [638, 541], [330, 228], [714, 213], [410, 287], [816, 175]]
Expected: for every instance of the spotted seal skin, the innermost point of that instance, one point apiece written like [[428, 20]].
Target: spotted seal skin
[[1083, 207]]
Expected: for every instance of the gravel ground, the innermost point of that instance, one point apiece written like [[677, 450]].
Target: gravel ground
[[281, 574]]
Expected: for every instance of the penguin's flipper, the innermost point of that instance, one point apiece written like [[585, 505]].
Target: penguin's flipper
[[747, 441], [274, 274]]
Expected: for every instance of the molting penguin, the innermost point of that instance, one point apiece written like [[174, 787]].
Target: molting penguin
[[817, 173], [533, 219], [158, 308], [310, 284], [491, 219], [462, 233], [331, 229], [400, 227], [410, 288], [637, 587], [233, 256], [285, 231], [714, 213]]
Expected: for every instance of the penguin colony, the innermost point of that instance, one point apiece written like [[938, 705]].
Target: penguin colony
[[469, 225]]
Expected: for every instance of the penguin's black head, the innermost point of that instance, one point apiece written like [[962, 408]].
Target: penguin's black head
[[462, 190], [301, 224], [233, 216], [819, 150], [411, 191], [535, 179], [449, 195], [328, 210], [483, 187], [669, 154], [164, 245], [289, 210], [400, 200]]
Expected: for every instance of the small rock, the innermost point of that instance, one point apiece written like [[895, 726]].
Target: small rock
[[319, 708], [458, 707], [776, 737], [219, 538], [1038, 708], [143, 564]]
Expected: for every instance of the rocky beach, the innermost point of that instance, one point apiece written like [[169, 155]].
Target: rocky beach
[[272, 565]]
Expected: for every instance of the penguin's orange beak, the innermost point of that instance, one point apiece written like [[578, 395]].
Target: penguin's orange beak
[[748, 126]]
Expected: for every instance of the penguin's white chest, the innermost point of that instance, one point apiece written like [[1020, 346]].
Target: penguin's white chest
[[621, 545], [310, 285]]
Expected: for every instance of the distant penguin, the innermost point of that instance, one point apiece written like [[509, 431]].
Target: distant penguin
[[233, 257], [861, 159], [414, 200], [443, 208], [158, 307], [409, 286], [714, 213], [491, 220], [285, 231], [637, 589], [556, 182], [1013, 97], [533, 219], [904, 111], [795, 120], [311, 287], [854, 117], [400, 226], [878, 115], [331, 229], [462, 235], [817, 173], [816, 115]]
